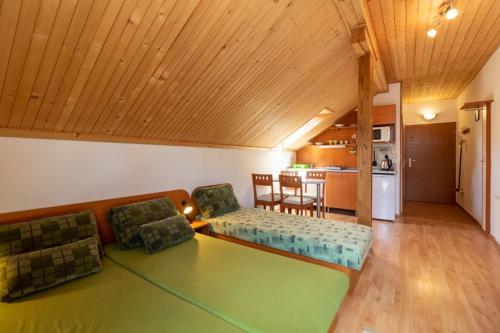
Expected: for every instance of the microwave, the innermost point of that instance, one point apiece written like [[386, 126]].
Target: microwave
[[382, 134]]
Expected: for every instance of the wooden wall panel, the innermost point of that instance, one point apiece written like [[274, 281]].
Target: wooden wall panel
[[226, 73], [441, 67]]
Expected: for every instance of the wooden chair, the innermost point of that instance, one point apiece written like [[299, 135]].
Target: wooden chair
[[313, 195], [289, 191], [297, 202], [268, 199]]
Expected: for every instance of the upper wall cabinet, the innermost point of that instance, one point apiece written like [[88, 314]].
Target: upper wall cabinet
[[384, 115]]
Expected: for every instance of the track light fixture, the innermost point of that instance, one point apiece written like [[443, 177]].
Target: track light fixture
[[433, 27], [432, 32], [446, 10]]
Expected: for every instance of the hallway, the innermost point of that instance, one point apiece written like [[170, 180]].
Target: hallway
[[433, 270], [416, 212]]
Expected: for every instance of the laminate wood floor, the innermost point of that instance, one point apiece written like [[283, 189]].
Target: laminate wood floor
[[433, 270]]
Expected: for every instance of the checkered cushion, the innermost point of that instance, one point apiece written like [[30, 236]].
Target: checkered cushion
[[267, 197], [125, 220], [26, 273], [295, 200], [215, 200], [159, 235], [312, 196], [47, 232]]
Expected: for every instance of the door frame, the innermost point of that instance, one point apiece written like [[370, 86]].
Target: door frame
[[487, 226], [487, 107]]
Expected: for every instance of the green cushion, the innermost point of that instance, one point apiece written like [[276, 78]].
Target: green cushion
[[252, 289], [337, 242], [215, 200], [125, 220], [26, 273], [47, 232], [112, 301], [168, 232]]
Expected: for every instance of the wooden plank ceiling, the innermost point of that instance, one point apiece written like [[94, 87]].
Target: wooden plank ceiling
[[441, 67], [226, 72]]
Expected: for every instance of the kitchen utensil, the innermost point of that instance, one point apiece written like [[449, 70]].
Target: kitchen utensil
[[386, 163], [374, 163]]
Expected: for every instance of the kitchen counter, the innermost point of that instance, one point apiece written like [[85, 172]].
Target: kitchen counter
[[325, 169], [348, 170], [383, 172]]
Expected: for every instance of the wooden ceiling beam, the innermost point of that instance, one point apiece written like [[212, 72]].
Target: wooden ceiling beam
[[358, 22]]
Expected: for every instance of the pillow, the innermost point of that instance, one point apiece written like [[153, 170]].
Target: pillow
[[215, 200], [47, 232], [168, 232], [125, 220], [26, 273]]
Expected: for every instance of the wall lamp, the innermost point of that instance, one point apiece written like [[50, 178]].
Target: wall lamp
[[186, 207], [428, 115]]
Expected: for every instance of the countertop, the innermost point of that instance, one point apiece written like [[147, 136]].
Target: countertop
[[348, 170], [325, 169], [383, 172]]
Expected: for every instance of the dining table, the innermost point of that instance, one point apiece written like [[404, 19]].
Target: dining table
[[318, 183]]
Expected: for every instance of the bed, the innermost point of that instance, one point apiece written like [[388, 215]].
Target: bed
[[204, 285], [114, 300], [253, 290], [339, 245]]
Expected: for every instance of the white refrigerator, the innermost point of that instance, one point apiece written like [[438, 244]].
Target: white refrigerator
[[384, 197]]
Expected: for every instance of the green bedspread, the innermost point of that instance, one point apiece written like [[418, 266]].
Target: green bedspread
[[114, 300], [336, 242], [254, 290]]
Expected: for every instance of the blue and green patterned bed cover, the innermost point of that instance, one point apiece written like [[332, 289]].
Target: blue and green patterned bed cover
[[336, 242]]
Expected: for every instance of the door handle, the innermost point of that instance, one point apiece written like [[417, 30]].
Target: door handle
[[410, 161]]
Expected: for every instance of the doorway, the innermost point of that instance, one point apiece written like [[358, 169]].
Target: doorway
[[430, 162]]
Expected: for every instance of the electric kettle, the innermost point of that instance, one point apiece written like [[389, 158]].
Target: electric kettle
[[386, 163]]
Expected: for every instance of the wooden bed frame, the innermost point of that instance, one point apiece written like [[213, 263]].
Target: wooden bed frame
[[100, 208]]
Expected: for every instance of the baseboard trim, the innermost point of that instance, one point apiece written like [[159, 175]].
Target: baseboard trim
[[469, 214], [494, 239]]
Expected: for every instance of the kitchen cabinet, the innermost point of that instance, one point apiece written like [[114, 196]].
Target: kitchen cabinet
[[384, 115], [341, 190]]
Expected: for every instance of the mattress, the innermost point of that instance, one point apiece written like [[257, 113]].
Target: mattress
[[254, 290], [341, 243], [114, 300]]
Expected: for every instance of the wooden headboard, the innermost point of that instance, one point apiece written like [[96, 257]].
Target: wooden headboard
[[100, 209]]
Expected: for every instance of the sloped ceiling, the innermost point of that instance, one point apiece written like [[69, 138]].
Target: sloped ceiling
[[441, 67], [226, 72]]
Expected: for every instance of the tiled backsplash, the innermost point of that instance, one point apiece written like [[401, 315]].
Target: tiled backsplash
[[382, 149]]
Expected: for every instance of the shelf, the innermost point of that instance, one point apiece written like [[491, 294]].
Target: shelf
[[332, 146], [337, 146], [350, 126]]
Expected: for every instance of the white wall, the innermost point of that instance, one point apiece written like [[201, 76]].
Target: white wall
[[446, 111], [485, 86], [40, 173], [393, 96]]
